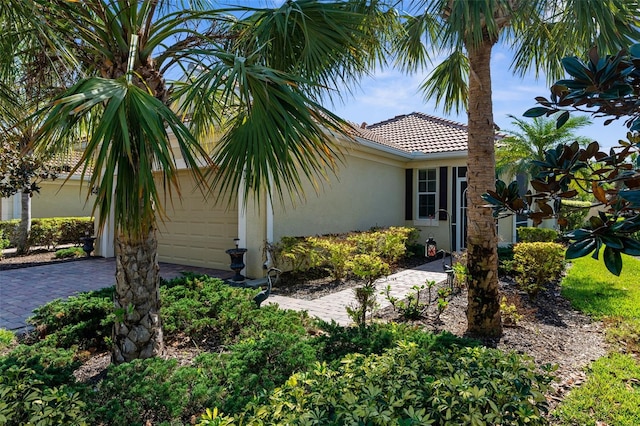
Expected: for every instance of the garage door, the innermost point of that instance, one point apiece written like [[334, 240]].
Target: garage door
[[197, 232]]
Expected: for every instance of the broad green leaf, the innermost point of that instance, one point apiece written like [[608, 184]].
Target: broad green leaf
[[613, 260], [581, 248], [537, 112]]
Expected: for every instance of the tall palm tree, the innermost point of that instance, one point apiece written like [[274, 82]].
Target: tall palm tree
[[254, 75], [540, 33], [517, 152]]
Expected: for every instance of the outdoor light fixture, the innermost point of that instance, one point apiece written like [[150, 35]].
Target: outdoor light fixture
[[432, 248]]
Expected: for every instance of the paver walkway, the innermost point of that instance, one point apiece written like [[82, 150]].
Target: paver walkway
[[23, 290], [333, 306]]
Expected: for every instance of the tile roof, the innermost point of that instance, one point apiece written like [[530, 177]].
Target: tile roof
[[67, 161], [421, 132]]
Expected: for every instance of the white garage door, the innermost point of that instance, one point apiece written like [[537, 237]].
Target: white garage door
[[197, 232]]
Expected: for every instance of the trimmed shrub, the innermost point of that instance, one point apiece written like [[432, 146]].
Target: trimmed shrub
[[410, 384], [335, 255], [530, 234], [537, 264], [4, 242], [50, 232]]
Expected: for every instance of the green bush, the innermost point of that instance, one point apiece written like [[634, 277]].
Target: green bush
[[4, 242], [335, 254], [529, 234], [537, 264], [52, 366], [25, 400], [153, 391], [410, 384], [68, 253], [51, 232], [505, 260], [84, 320], [204, 307], [6, 338], [573, 214], [261, 364]]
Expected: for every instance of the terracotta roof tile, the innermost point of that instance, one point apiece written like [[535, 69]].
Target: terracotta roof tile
[[422, 132]]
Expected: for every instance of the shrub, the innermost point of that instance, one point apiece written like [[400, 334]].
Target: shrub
[[529, 234], [369, 268], [509, 313], [416, 303], [537, 264], [28, 401], [335, 253], [261, 364], [6, 338], [52, 366], [153, 391], [68, 253], [84, 320], [50, 232], [204, 307], [4, 242], [505, 259], [410, 384]]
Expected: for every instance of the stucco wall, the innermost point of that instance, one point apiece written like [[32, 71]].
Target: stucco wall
[[61, 200], [368, 191]]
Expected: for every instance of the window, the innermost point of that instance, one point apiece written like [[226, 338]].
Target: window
[[427, 184]]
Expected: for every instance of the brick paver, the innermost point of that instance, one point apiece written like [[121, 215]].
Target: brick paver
[[333, 306], [23, 290]]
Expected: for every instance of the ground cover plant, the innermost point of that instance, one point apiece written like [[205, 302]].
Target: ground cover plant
[[241, 358], [611, 395]]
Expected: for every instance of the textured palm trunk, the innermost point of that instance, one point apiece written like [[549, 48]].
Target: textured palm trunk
[[137, 332], [24, 227], [483, 312]]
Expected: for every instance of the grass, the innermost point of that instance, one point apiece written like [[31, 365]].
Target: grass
[[611, 394], [595, 291]]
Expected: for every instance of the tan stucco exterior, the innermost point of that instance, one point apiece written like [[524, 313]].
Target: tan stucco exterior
[[367, 191], [58, 198]]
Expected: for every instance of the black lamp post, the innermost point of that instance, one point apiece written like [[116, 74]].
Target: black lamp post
[[237, 260]]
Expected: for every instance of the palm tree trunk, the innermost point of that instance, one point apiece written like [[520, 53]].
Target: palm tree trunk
[[483, 312], [137, 332], [24, 227]]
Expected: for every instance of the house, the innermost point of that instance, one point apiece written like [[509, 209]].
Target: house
[[65, 196], [406, 171]]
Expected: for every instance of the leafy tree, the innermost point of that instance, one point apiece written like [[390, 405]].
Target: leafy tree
[[540, 33], [603, 86], [24, 86], [252, 75], [517, 152]]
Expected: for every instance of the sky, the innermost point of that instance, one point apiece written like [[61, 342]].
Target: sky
[[389, 93]]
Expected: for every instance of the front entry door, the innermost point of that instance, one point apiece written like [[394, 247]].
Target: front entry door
[[461, 202]]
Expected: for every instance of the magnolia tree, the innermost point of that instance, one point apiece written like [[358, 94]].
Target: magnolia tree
[[604, 86]]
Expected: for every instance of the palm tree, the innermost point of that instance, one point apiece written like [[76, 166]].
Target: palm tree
[[517, 152], [254, 75], [540, 33]]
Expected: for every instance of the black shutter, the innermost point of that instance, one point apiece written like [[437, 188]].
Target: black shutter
[[442, 193], [408, 195]]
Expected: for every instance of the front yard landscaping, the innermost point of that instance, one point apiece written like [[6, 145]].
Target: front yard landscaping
[[228, 362]]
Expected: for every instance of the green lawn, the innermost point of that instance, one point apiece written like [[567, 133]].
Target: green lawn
[[595, 291], [611, 394]]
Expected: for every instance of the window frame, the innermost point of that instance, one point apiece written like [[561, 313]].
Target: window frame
[[426, 192]]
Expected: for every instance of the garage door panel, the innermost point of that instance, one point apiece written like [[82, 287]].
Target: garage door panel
[[196, 232]]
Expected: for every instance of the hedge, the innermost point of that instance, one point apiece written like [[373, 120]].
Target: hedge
[[50, 232]]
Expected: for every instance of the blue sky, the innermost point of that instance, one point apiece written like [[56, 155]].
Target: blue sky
[[389, 93]]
